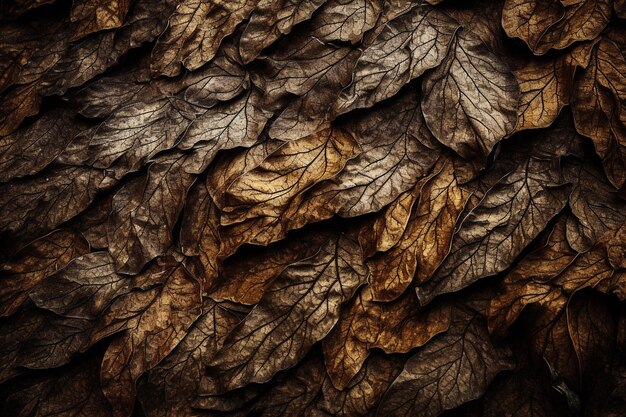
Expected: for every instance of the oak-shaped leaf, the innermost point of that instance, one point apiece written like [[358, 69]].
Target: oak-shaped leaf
[[453, 368], [299, 308]]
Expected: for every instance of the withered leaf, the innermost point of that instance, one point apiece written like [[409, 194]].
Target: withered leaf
[[521, 395], [270, 20], [397, 149], [590, 324], [298, 309], [226, 126], [245, 276], [453, 368], [365, 324], [73, 391], [546, 25], [152, 322], [479, 93], [37, 339], [545, 88], [144, 212], [426, 239], [35, 205], [132, 135], [507, 218], [36, 262], [364, 392], [267, 189], [93, 16], [599, 110], [195, 31], [199, 234], [346, 20], [29, 150], [172, 385], [83, 289], [311, 69], [407, 46]]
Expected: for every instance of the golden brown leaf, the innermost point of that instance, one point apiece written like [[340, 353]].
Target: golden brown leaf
[[152, 322], [426, 239], [546, 25]]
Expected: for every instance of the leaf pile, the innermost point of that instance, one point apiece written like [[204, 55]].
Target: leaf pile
[[313, 208]]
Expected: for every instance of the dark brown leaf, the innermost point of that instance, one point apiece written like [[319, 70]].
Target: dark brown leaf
[[299, 308], [454, 368]]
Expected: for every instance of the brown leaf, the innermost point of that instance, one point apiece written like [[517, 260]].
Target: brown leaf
[[426, 239], [407, 46], [454, 368], [36, 262], [144, 212], [285, 174], [194, 33], [546, 86], [397, 150], [32, 148], [225, 126], [528, 282], [546, 25], [507, 218], [599, 110], [364, 392], [172, 385], [479, 92], [346, 20], [83, 289], [298, 309], [36, 205], [131, 136], [314, 71], [73, 391], [395, 327], [520, 396], [245, 276], [37, 339], [270, 20], [153, 322], [93, 16]]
